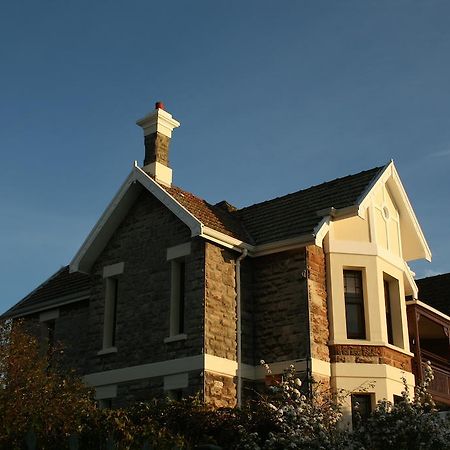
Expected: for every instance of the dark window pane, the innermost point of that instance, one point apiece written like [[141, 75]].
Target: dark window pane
[[354, 304], [361, 407]]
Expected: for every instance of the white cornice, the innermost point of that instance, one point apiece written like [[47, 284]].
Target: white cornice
[[158, 121]]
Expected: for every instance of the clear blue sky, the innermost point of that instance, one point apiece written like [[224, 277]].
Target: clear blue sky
[[273, 96]]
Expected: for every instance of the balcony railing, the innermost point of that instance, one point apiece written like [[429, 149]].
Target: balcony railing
[[439, 387]]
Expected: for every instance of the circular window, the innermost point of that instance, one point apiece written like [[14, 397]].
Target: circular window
[[386, 212]]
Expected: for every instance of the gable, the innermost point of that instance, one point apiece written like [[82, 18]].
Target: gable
[[396, 226]]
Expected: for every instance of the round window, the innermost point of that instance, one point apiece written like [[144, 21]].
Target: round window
[[386, 212]]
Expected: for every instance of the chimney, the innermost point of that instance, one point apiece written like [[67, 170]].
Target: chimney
[[158, 127]]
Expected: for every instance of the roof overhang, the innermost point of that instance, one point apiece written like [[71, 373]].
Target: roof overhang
[[118, 209]]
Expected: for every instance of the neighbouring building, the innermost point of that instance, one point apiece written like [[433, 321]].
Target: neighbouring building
[[171, 295]]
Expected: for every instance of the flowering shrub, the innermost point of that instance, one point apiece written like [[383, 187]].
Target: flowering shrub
[[304, 421], [410, 424]]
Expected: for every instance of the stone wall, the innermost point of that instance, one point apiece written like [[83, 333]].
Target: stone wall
[[318, 316], [220, 302], [370, 354], [280, 306], [220, 390], [143, 307]]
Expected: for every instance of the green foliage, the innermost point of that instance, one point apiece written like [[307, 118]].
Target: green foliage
[[35, 394]]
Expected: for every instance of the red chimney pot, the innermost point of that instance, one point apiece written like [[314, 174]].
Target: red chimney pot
[[159, 105]]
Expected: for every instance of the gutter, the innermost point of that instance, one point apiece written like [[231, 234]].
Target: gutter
[[239, 326]]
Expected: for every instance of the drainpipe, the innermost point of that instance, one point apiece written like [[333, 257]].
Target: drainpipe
[[239, 326]]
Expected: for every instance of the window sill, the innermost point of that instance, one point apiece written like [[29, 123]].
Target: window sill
[[107, 351], [177, 337]]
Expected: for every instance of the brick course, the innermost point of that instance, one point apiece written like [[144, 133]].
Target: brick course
[[370, 354]]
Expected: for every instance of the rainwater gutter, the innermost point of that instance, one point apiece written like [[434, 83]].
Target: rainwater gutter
[[239, 326]]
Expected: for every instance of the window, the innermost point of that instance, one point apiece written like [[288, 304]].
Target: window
[[111, 275], [354, 304], [361, 407], [387, 302], [110, 323], [177, 258], [177, 303]]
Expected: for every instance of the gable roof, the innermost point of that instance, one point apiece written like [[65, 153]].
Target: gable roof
[[297, 213], [300, 217], [435, 291], [61, 288]]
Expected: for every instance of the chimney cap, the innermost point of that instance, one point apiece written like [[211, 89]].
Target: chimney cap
[[159, 105]]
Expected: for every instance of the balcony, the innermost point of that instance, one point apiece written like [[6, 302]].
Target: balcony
[[429, 341]]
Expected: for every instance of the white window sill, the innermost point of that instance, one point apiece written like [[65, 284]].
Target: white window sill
[[107, 351], [177, 337]]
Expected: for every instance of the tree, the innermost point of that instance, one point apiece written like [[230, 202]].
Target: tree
[[36, 394]]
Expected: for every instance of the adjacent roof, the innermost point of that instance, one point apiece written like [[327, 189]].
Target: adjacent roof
[[435, 291], [296, 214], [61, 287]]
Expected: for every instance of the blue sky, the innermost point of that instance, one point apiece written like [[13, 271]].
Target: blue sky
[[272, 97]]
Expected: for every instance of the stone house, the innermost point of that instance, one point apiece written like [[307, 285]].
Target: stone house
[[171, 295]]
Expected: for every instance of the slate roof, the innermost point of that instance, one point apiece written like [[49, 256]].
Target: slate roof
[[435, 291], [281, 218], [61, 286], [296, 214]]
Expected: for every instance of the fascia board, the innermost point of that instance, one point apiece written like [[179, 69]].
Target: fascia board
[[81, 261], [284, 245], [167, 200], [321, 230], [411, 214], [50, 304], [429, 308], [366, 196], [117, 210], [225, 240]]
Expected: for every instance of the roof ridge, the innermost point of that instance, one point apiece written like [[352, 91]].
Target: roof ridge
[[378, 168]]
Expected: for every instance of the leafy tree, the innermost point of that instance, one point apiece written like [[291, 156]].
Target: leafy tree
[[36, 395]]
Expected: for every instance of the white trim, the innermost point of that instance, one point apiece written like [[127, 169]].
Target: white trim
[[106, 392], [320, 367], [107, 351], [321, 230], [283, 245], [159, 121], [175, 338], [149, 370], [225, 240], [205, 362], [178, 251], [429, 308], [117, 210], [113, 270], [49, 315], [177, 381], [162, 173]]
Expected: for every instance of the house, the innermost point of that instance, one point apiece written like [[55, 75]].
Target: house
[[172, 295], [429, 332]]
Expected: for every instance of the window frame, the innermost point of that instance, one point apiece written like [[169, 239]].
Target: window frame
[[352, 300]]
